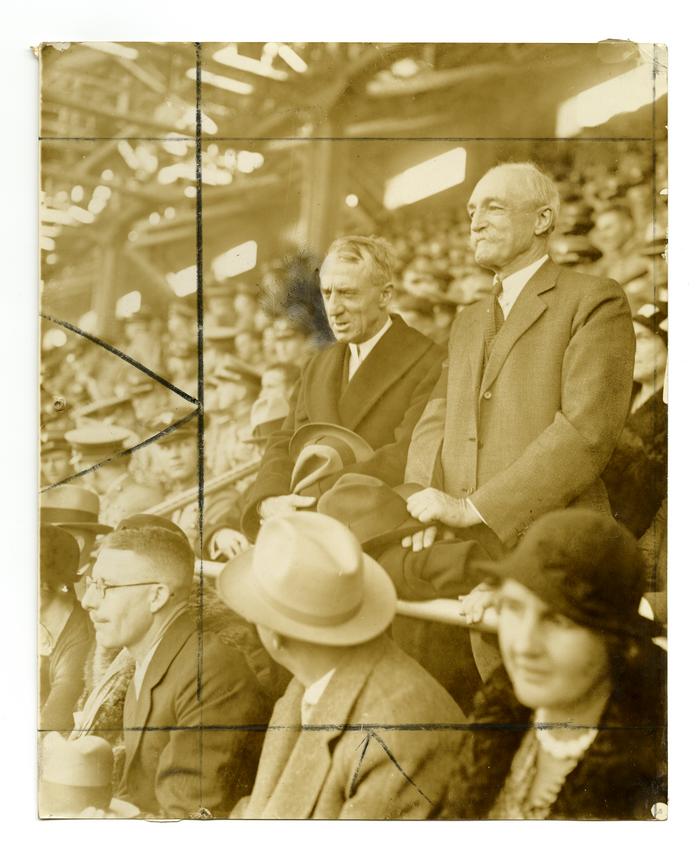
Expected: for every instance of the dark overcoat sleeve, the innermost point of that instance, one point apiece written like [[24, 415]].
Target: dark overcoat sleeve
[[276, 466]]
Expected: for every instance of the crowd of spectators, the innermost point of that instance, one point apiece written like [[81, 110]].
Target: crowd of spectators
[[258, 333]]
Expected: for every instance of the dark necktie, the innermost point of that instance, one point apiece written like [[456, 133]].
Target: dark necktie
[[495, 317]]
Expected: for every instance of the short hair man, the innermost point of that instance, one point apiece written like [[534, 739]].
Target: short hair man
[[537, 385], [351, 737], [614, 235], [188, 751], [374, 380]]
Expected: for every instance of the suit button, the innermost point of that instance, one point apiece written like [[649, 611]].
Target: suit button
[[471, 439], [487, 394]]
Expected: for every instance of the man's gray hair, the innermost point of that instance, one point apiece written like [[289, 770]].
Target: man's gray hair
[[376, 253], [541, 189]]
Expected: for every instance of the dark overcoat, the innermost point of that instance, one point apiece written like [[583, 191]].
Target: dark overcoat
[[381, 403], [193, 736]]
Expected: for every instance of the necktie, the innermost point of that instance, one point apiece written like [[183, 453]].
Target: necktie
[[495, 316]]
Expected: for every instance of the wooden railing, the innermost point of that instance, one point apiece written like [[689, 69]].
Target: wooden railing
[[442, 610]]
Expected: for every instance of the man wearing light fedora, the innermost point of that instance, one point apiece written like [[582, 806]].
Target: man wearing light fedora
[[378, 516], [374, 380], [348, 739]]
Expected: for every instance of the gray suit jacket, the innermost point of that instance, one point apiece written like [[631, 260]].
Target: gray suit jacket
[[531, 430], [366, 752]]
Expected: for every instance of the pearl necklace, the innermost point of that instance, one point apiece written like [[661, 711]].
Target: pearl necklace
[[562, 749]]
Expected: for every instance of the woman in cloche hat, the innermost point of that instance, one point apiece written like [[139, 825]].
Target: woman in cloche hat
[[573, 724]]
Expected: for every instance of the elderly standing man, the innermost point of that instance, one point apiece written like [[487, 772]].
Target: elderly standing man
[[537, 383], [375, 380]]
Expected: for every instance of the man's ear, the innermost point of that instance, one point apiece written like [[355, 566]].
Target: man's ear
[[160, 597], [544, 222], [385, 294]]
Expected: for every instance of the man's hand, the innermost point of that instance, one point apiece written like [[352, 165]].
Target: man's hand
[[227, 543], [479, 606], [434, 506], [420, 540], [274, 505]]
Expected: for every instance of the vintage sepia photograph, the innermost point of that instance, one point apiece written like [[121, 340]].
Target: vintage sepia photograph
[[353, 431]]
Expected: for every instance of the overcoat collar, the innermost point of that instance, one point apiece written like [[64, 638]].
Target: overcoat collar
[[296, 760], [393, 355], [137, 711], [526, 310]]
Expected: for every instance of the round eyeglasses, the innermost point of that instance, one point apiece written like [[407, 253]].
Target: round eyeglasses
[[101, 587]]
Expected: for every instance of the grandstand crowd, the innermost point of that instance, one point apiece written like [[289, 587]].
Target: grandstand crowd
[[324, 518]]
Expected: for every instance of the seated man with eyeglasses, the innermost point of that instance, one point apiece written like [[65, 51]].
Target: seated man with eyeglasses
[[193, 715]]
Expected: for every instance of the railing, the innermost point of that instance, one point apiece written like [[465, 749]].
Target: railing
[[442, 610]]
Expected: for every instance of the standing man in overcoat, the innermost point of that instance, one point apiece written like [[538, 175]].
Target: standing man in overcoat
[[537, 384], [375, 380]]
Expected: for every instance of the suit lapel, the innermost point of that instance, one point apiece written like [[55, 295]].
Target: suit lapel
[[137, 711], [390, 358], [306, 770], [329, 378], [526, 310]]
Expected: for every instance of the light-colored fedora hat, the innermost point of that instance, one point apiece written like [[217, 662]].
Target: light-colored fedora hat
[[308, 578]]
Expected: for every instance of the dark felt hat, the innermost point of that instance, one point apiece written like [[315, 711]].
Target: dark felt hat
[[59, 556], [320, 449], [586, 566], [373, 511]]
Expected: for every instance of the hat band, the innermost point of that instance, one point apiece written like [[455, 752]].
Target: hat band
[[67, 515], [307, 617]]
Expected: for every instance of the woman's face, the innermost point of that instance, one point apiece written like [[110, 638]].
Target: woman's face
[[552, 662], [650, 355]]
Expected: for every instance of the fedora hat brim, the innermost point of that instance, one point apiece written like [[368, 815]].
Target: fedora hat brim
[[97, 528], [238, 589], [313, 431], [394, 536]]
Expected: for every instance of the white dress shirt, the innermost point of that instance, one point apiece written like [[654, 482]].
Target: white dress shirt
[[515, 283], [312, 696], [360, 350]]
